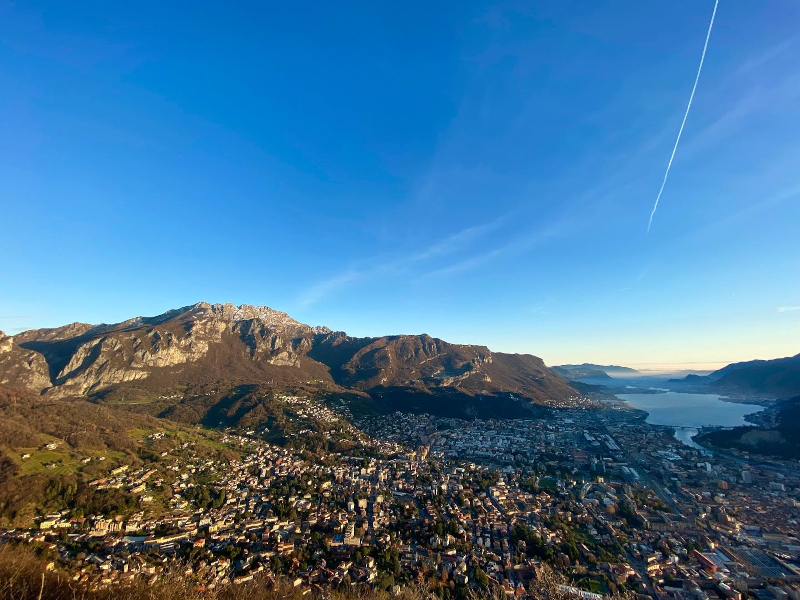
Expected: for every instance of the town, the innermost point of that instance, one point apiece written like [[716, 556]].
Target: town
[[607, 501]]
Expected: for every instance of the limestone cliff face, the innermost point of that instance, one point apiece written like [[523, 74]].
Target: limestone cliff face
[[255, 344], [22, 368], [81, 359], [111, 359]]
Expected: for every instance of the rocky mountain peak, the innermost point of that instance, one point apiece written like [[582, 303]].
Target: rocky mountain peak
[[270, 317], [231, 316]]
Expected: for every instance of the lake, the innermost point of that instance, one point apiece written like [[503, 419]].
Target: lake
[[689, 411]]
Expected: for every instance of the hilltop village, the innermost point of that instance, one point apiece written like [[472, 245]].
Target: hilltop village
[[607, 501]]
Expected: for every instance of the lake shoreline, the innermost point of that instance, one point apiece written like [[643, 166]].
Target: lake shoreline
[[689, 413]]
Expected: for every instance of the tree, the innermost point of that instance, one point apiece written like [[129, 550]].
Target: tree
[[481, 578]]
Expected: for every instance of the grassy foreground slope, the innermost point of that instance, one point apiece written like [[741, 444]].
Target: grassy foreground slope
[[51, 449]]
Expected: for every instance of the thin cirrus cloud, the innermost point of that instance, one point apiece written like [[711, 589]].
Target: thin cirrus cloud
[[743, 98], [453, 243], [785, 309], [756, 62], [517, 245], [759, 99]]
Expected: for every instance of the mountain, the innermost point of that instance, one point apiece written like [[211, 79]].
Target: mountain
[[202, 342], [778, 378], [592, 371], [226, 345]]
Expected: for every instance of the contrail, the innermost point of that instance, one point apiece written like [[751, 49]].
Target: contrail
[[686, 114]]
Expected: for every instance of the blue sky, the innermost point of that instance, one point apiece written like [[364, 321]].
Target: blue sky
[[483, 173]]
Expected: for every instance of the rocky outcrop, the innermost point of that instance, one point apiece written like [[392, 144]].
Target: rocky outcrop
[[22, 368]]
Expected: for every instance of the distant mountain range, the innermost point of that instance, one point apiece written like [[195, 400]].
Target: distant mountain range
[[592, 371], [226, 345], [778, 378]]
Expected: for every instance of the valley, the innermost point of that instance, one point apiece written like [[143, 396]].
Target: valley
[[249, 449]]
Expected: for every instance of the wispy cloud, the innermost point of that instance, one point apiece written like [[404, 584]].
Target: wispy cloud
[[458, 240], [755, 62], [449, 245], [746, 214], [740, 102], [467, 264], [323, 288], [760, 98], [465, 254], [784, 309], [516, 245]]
